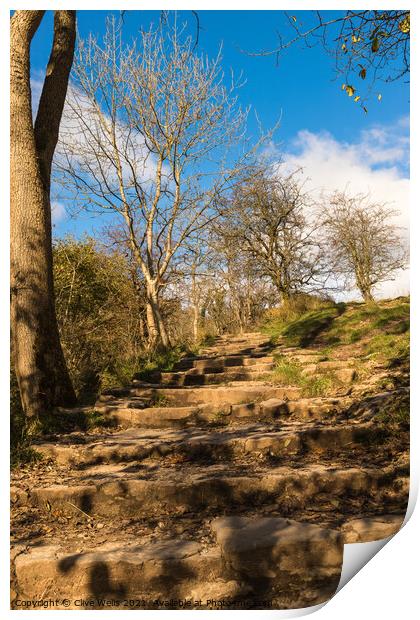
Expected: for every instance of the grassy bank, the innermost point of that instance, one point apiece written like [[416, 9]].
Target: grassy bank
[[381, 330], [374, 338]]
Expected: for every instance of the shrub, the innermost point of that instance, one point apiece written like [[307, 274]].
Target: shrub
[[295, 307], [99, 311]]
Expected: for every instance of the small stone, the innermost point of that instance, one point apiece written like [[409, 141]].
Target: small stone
[[100, 526]]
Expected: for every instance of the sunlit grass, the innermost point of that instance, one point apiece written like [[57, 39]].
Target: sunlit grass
[[290, 372]]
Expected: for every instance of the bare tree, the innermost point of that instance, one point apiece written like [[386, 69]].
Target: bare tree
[[365, 246], [366, 46], [237, 274], [270, 218], [37, 355], [154, 123], [199, 277]]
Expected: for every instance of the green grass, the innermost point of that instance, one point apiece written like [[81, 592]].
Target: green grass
[[395, 319], [21, 430], [23, 454], [320, 385], [344, 324], [396, 414], [208, 340], [391, 349], [120, 374], [159, 400], [372, 334], [160, 362], [304, 330], [287, 371], [290, 372]]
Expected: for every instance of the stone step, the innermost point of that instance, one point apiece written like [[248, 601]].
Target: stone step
[[124, 413], [239, 345], [343, 375], [241, 337], [207, 395], [262, 550], [369, 529], [235, 350], [211, 378], [231, 368], [304, 358], [117, 490], [243, 550], [289, 563], [134, 445], [255, 340], [291, 351], [213, 364], [141, 571], [133, 413]]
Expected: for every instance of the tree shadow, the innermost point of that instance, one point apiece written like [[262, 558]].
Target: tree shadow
[[304, 331]]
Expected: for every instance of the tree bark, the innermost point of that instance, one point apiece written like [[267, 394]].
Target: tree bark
[[368, 297], [196, 319], [38, 358], [160, 323], [152, 330], [158, 335]]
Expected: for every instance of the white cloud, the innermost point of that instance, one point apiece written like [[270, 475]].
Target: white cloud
[[81, 129], [58, 211], [375, 163], [86, 138]]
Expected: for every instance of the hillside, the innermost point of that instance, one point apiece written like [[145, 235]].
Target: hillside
[[371, 343]]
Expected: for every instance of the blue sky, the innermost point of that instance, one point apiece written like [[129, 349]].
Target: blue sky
[[321, 128], [301, 88]]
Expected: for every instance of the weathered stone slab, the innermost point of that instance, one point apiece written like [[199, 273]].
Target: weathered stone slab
[[279, 544], [371, 528], [164, 569], [272, 554], [112, 490], [215, 395]]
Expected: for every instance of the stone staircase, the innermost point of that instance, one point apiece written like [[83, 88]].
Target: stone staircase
[[214, 488]]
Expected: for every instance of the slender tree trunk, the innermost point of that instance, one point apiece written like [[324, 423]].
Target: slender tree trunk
[[368, 297], [152, 329], [195, 302], [158, 335], [237, 312], [38, 358], [196, 319], [163, 333], [248, 307], [364, 287]]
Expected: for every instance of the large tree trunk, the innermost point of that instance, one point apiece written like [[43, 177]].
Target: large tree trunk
[[38, 359]]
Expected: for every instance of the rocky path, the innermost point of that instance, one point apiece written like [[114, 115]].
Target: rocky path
[[215, 488]]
